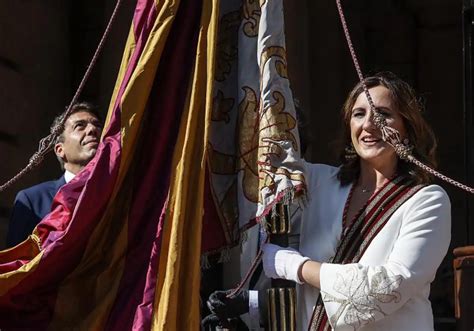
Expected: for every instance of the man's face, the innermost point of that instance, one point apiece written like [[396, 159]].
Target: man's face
[[81, 137]]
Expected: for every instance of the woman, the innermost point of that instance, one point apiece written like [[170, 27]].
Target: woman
[[375, 230]]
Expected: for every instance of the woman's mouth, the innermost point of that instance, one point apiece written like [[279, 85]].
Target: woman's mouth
[[370, 140]]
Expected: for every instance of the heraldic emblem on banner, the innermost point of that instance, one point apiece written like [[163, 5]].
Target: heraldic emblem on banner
[[253, 152]]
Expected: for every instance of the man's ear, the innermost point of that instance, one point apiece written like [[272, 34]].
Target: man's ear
[[59, 150]]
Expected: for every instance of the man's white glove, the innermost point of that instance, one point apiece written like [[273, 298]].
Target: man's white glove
[[279, 262]]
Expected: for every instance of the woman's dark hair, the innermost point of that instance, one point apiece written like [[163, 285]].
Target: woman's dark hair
[[410, 108]]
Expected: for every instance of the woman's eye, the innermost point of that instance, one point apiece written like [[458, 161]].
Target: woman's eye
[[358, 114], [384, 112]]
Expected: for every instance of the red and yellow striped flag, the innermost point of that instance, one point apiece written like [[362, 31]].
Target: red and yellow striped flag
[[120, 249]]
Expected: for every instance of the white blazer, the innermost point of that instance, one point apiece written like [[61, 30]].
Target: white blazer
[[388, 289]]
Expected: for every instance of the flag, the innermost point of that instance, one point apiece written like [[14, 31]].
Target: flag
[[253, 154], [120, 249]]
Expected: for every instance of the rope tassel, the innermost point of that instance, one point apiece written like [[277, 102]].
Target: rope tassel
[[389, 134]]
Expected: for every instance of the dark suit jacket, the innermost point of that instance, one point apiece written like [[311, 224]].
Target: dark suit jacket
[[31, 205]]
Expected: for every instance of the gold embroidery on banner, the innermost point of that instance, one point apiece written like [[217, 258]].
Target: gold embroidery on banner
[[221, 107], [263, 139], [227, 39], [271, 172], [227, 42], [360, 299], [248, 132], [277, 124], [276, 127], [261, 135], [221, 163], [279, 53], [251, 15]]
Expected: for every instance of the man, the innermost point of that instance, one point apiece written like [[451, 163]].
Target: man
[[74, 148]]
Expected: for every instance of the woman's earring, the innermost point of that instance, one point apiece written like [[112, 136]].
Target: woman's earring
[[406, 150], [409, 146], [350, 153]]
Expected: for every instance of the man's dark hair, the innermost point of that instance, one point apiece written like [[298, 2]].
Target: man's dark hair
[[77, 107]]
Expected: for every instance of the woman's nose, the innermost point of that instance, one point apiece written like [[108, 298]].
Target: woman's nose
[[369, 121]]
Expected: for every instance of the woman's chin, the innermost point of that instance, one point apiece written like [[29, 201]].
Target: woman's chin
[[379, 157]]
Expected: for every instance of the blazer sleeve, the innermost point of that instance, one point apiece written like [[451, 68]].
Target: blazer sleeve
[[357, 294], [22, 220]]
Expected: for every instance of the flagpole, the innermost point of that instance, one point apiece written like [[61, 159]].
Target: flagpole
[[281, 295]]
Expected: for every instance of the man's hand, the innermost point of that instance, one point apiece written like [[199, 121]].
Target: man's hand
[[210, 322], [213, 323], [224, 307]]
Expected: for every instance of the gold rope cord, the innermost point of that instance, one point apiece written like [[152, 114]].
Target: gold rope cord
[[389, 134]]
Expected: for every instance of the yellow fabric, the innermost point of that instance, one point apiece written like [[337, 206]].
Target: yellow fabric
[[28, 250], [179, 269], [137, 91], [127, 55], [108, 243]]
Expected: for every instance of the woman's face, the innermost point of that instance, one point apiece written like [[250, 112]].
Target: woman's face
[[365, 136]]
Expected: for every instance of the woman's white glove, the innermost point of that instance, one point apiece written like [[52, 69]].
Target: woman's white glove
[[279, 262]]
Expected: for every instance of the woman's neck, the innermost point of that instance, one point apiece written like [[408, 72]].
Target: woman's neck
[[371, 177]]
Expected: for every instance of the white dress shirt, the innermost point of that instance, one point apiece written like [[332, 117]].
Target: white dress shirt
[[68, 176]]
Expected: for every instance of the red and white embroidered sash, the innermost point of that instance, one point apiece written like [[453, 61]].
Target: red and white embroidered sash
[[358, 235]]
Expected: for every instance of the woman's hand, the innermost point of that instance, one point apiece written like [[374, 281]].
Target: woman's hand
[[279, 262]]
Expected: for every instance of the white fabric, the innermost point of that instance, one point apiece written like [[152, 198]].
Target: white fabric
[[389, 288], [254, 320], [253, 137], [68, 176], [278, 157], [282, 263]]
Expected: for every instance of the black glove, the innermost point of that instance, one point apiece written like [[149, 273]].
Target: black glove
[[212, 322], [226, 308]]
